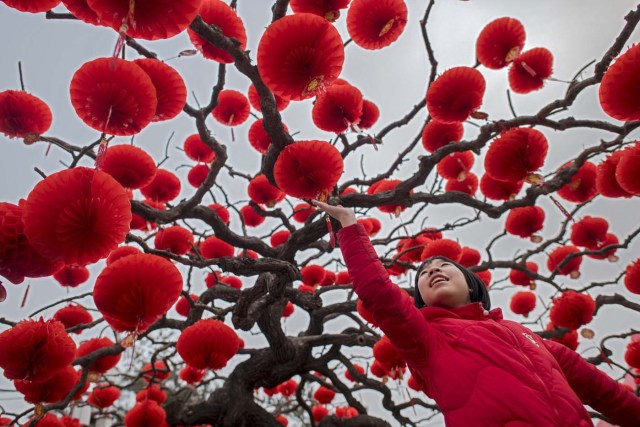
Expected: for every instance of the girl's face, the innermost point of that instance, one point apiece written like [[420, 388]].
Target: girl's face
[[442, 284]]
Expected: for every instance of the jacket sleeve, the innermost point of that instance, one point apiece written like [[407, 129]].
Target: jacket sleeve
[[395, 314], [595, 388]]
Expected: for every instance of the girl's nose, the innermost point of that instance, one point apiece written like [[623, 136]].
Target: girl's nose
[[433, 270]]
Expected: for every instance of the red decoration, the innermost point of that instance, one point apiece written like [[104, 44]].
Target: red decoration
[[213, 247], [282, 420], [250, 217], [288, 309], [468, 185], [279, 238], [258, 137], [302, 211], [609, 239], [191, 375], [183, 306], [572, 310], [49, 420], [627, 170], [500, 42], [146, 413], [103, 396], [570, 268], [159, 371], [324, 395], [18, 257], [530, 69], [570, 339], [72, 275], [589, 231], [146, 19], [136, 291], [319, 412], [374, 24], [261, 191], [232, 109], [299, 56], [131, 166], [619, 84], [175, 239], [437, 134], [34, 350], [469, 257], [523, 303], [606, 182], [232, 281], [328, 9], [152, 392], [632, 354], [104, 363], [632, 277], [81, 10], [386, 185], [485, 276], [338, 109], [387, 354], [582, 186], [197, 150], [139, 223], [77, 215], [288, 387], [499, 190], [442, 247], [455, 94], [525, 221], [113, 96], [312, 274], [306, 169], [220, 14], [358, 368], [516, 154], [73, 315], [343, 278], [51, 390], [254, 100], [221, 211], [164, 188], [207, 344], [23, 115], [170, 88], [121, 252], [345, 412], [32, 6], [197, 175], [365, 314], [370, 114], [522, 278], [456, 165]]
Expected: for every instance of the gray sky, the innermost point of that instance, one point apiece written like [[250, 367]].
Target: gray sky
[[575, 31]]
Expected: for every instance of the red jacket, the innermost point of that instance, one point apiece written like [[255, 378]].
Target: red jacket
[[481, 369]]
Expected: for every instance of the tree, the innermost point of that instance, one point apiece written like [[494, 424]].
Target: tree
[[406, 181]]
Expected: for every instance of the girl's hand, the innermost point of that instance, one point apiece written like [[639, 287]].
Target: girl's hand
[[344, 215]]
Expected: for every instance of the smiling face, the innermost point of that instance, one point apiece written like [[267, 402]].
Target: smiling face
[[442, 284]]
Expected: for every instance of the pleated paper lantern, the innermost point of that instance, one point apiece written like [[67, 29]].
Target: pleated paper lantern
[[156, 372], [306, 169], [338, 109], [18, 257], [632, 354], [197, 175], [312, 274], [146, 19], [346, 412], [250, 217], [606, 181], [23, 115], [221, 211], [113, 96], [620, 85], [258, 137], [164, 188], [609, 239], [183, 306], [522, 278], [358, 369], [530, 69], [386, 185], [371, 225], [103, 396], [627, 170], [131, 166], [73, 315], [175, 239], [52, 390], [319, 412], [500, 42], [170, 88], [289, 308], [589, 231], [77, 215], [81, 10], [370, 115], [437, 134], [468, 185], [191, 375], [523, 303], [516, 154], [582, 186], [374, 24], [328, 9], [279, 238], [456, 165], [34, 350], [121, 252], [213, 247], [68, 421], [152, 392], [288, 388], [49, 420], [72, 275], [302, 211], [499, 190], [146, 414], [300, 55], [139, 223], [485, 276], [233, 281], [525, 221], [572, 310], [442, 247], [136, 291], [232, 109], [197, 150], [387, 355], [254, 100], [207, 344], [262, 192], [469, 257], [32, 6], [324, 395], [456, 94], [101, 364], [632, 277], [221, 15], [570, 268]]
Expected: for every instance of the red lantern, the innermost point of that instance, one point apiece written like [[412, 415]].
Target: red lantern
[[499, 190], [525, 221], [582, 186], [632, 277], [386, 353], [191, 375], [258, 137], [438, 134], [570, 268], [221, 15], [386, 185], [469, 257], [32, 6], [81, 10], [442, 247], [113, 96], [73, 315], [49, 420], [530, 69], [589, 231], [312, 274], [104, 363], [324, 395], [468, 185], [374, 24], [328, 9], [516, 154], [306, 169], [370, 114], [207, 344], [627, 170], [254, 100], [619, 84], [232, 109], [146, 19], [23, 115], [522, 278], [121, 252], [609, 239], [183, 306], [197, 150], [213, 247], [77, 215], [72, 275], [232, 281], [170, 89], [139, 223], [319, 412], [456, 94], [288, 387], [606, 182], [300, 55], [572, 310], [164, 188], [302, 211], [136, 291], [500, 42], [197, 175], [34, 350], [456, 165], [175, 239], [152, 392], [103, 396], [146, 413], [279, 238], [221, 211], [131, 166], [261, 191], [338, 109], [523, 303], [159, 371], [288, 309], [358, 368], [250, 217], [51, 390]]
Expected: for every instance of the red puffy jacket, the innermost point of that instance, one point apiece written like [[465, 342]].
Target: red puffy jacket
[[481, 369]]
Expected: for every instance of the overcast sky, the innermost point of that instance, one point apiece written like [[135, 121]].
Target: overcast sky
[[575, 31]]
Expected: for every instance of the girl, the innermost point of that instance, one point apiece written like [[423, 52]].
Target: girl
[[481, 370]]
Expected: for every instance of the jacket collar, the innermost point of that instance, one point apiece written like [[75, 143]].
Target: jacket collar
[[471, 311]]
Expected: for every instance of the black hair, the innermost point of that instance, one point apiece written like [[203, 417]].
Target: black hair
[[479, 290]]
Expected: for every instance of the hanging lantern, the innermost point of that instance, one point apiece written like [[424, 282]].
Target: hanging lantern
[[258, 137], [152, 392], [104, 396], [500, 42], [302, 211], [146, 413], [370, 114], [23, 115], [191, 375], [183, 306], [521, 278], [582, 186], [102, 364], [606, 181], [530, 69], [570, 268], [232, 109], [324, 395], [374, 24], [175, 239], [32, 6], [213, 247], [73, 315], [523, 303], [306, 169], [197, 150], [170, 88], [572, 310], [589, 232], [81, 10], [51, 390], [469, 257], [338, 109], [131, 166], [468, 185], [157, 372], [525, 221], [262, 192], [207, 344], [619, 87], [77, 215], [495, 189], [438, 134], [516, 155], [442, 247], [113, 96], [164, 188], [328, 9], [456, 94], [250, 217], [197, 175], [387, 355], [72, 275], [456, 165], [627, 170], [221, 211], [387, 185], [121, 252], [254, 100], [299, 56]]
